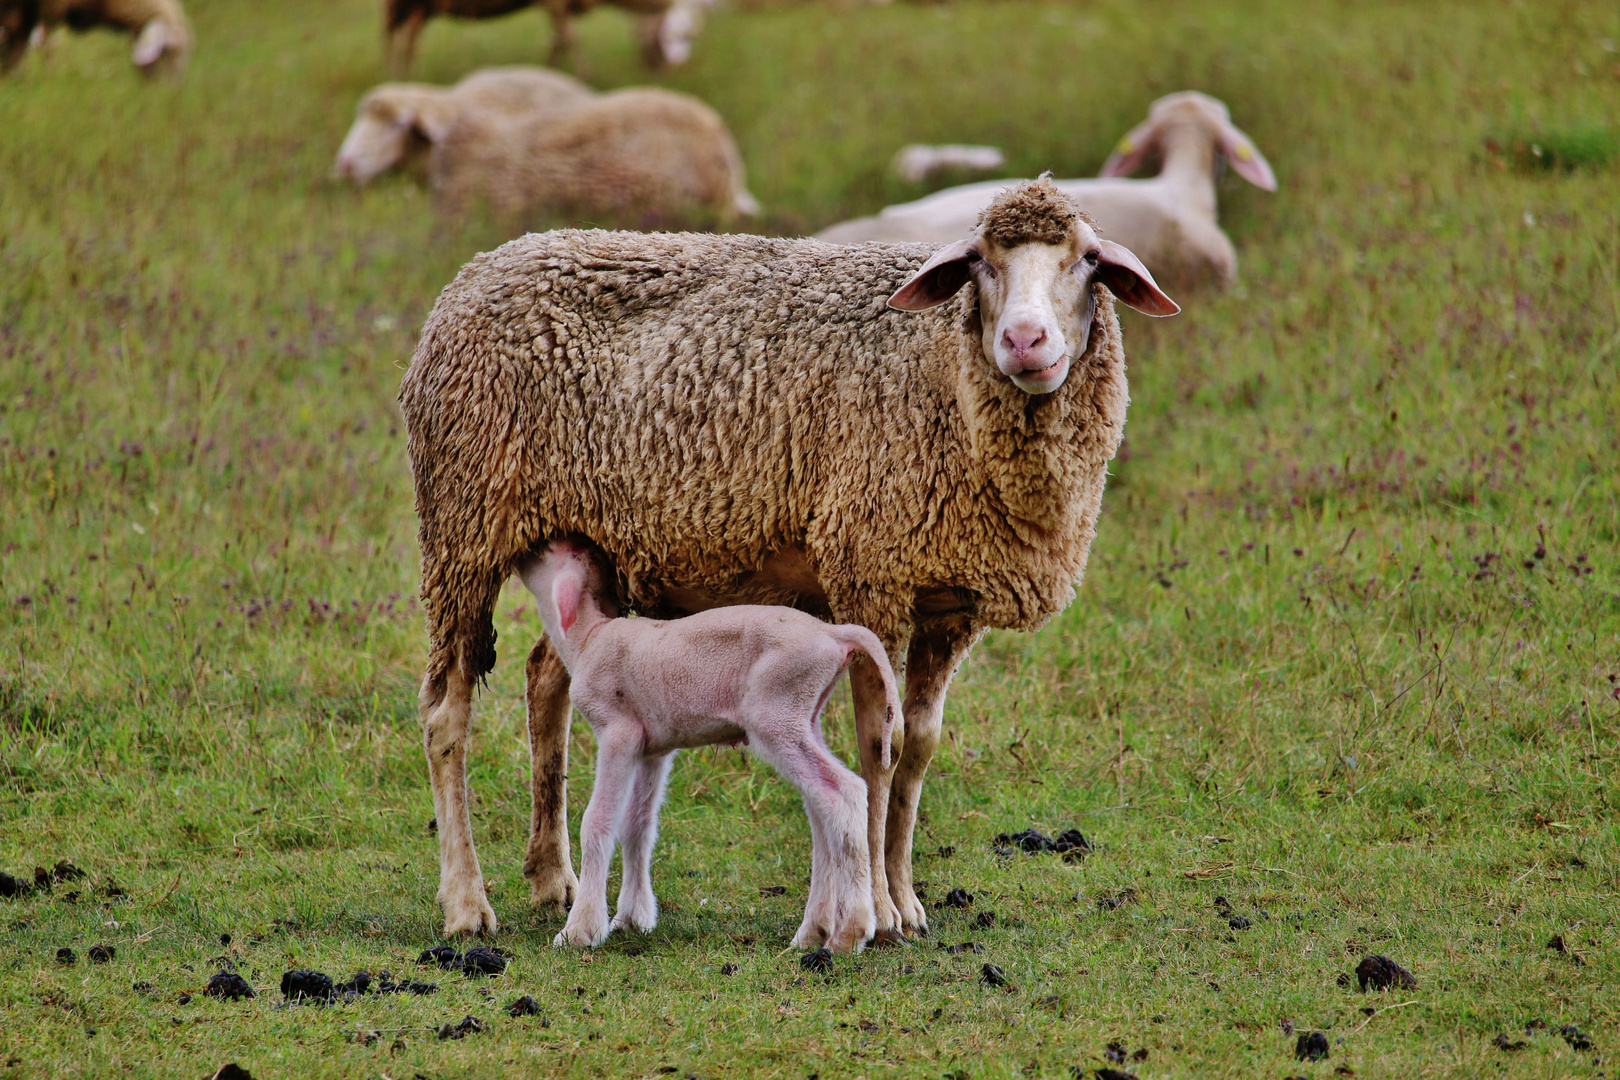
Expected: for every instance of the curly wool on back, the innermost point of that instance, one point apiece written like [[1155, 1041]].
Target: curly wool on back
[[695, 404], [641, 151]]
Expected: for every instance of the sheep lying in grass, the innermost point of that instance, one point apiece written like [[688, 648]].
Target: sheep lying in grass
[[749, 674], [397, 123], [908, 439], [645, 152], [665, 28], [1169, 220], [161, 29]]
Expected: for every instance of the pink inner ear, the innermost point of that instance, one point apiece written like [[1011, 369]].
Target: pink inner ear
[[565, 594]]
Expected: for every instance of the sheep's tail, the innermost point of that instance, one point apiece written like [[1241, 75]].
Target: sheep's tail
[[859, 637]]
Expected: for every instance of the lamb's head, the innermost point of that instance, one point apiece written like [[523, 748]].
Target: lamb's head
[[1033, 260], [392, 120], [568, 582], [162, 46]]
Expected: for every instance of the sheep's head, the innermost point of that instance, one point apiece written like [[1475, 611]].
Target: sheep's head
[[1034, 259], [392, 120], [161, 47], [1209, 118]]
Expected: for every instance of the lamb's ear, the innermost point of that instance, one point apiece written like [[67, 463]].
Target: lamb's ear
[[1246, 159], [939, 279], [150, 43], [1126, 277], [1131, 151], [565, 594]]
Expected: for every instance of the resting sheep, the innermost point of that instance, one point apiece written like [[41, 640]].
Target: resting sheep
[[643, 152], [162, 32], [752, 675], [1169, 221], [908, 439], [398, 122], [665, 28]]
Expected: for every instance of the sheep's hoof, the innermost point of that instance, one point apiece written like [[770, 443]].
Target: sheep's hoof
[[469, 916], [889, 939], [556, 888]]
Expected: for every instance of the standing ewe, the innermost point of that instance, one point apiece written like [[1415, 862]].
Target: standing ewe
[[666, 28], [748, 674], [642, 151], [162, 32], [398, 122], [908, 439], [1169, 221]]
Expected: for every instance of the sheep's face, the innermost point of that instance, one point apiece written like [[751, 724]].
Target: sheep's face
[[393, 122], [1035, 298]]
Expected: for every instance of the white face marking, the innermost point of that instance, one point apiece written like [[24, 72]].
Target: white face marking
[[1036, 308], [375, 144]]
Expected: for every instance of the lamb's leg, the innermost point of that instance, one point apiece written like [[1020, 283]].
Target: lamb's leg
[[841, 893], [547, 864], [446, 710], [617, 751], [934, 656], [638, 907], [866, 687]]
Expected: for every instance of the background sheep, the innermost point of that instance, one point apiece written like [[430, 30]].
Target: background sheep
[[1169, 220], [666, 28], [162, 31], [643, 151], [734, 419], [396, 123]]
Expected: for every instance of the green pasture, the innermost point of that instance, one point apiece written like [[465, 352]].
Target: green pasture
[[1347, 654]]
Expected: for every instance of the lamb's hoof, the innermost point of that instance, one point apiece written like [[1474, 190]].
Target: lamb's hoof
[[557, 889], [582, 933], [637, 921], [469, 915], [810, 938]]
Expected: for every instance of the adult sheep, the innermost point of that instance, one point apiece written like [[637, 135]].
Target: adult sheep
[[398, 122], [665, 28], [160, 27], [1169, 220], [644, 152], [909, 439]]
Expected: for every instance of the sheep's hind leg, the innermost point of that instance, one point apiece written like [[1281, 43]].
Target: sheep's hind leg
[[548, 862], [933, 658], [446, 710], [866, 686], [638, 832]]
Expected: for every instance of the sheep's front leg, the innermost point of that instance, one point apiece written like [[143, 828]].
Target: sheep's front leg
[[617, 750], [446, 710], [871, 707], [638, 907], [548, 862], [933, 658]]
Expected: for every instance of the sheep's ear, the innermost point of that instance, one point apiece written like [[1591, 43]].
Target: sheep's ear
[[1131, 151], [1126, 277], [433, 119], [1246, 159], [939, 279], [565, 594], [150, 43]]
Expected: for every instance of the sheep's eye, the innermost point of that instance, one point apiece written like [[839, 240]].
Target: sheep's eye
[[1091, 257]]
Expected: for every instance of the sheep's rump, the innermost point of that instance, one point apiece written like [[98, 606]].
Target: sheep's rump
[[697, 404]]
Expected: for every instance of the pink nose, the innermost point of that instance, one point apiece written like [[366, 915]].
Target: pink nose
[[1022, 340]]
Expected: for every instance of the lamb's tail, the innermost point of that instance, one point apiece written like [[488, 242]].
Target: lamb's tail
[[859, 637]]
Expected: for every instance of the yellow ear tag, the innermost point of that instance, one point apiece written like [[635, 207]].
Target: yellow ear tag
[[1243, 153], [1125, 145]]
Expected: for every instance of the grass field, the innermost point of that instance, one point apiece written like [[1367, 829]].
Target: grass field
[[1347, 653]]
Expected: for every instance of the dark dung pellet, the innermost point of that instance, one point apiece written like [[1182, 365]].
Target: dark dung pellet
[[1574, 1036], [728, 969], [228, 985], [483, 961], [524, 1006], [358, 983], [225, 939], [1029, 841], [1382, 973], [985, 920], [470, 1025], [991, 975], [1239, 922], [819, 962], [102, 954], [958, 898], [1114, 1074], [1312, 1047], [772, 890], [11, 887], [183, 999], [65, 955], [440, 956], [301, 985]]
